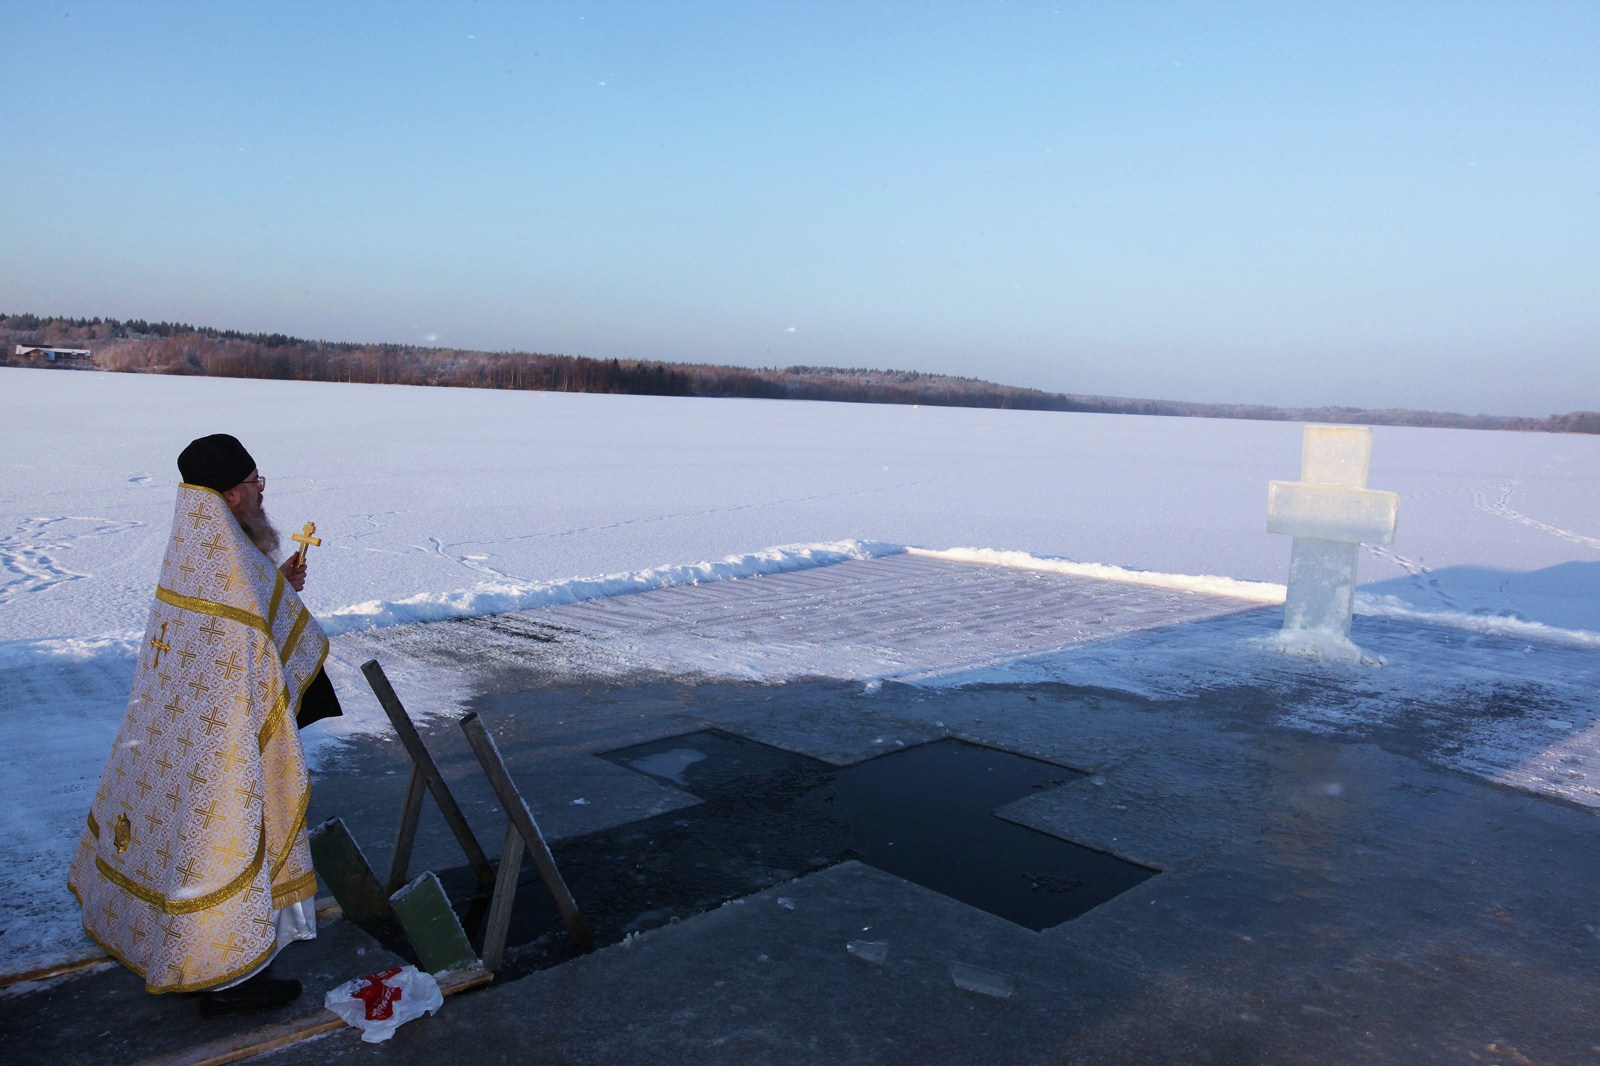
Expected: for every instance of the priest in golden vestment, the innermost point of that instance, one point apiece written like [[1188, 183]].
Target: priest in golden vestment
[[193, 869]]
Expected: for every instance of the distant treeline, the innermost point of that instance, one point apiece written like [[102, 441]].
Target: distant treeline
[[173, 348]]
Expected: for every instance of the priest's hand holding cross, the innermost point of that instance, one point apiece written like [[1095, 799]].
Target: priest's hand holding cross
[[294, 567]]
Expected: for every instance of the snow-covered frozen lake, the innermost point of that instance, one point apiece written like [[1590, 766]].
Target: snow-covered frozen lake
[[435, 503], [440, 502]]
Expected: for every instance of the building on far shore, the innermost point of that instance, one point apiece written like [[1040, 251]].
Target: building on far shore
[[48, 354]]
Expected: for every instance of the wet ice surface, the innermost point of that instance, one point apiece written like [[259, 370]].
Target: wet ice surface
[[1329, 880], [1457, 700], [1518, 712], [1315, 892]]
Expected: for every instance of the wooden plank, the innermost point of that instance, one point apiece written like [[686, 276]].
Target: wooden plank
[[266, 1038], [56, 969], [505, 894], [432, 926], [516, 808], [346, 873], [423, 761], [406, 837]]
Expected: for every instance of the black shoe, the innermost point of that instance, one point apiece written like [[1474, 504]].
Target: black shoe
[[258, 993]]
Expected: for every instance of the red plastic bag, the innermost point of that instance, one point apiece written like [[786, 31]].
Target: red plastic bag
[[381, 1002]]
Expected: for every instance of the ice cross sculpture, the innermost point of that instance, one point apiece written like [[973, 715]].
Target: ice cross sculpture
[[1331, 513]]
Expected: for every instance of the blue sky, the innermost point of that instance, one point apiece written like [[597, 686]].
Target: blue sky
[[1300, 204]]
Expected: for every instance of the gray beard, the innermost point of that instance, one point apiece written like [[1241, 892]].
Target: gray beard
[[262, 533]]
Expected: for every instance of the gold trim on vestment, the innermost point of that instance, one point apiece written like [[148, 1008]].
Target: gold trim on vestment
[[193, 986], [300, 888], [294, 635], [197, 903], [277, 598], [299, 826], [212, 607], [276, 720]]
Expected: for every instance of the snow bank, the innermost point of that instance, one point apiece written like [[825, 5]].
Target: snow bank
[[1255, 591], [1486, 622], [496, 598], [1499, 625]]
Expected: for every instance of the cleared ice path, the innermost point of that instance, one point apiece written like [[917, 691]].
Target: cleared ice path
[[900, 615]]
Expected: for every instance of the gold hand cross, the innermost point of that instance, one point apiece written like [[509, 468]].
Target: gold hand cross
[[306, 542]]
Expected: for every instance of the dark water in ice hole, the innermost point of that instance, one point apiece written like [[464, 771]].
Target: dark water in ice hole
[[767, 815]]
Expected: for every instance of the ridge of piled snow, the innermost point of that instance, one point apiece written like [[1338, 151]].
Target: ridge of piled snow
[[1255, 591], [500, 597]]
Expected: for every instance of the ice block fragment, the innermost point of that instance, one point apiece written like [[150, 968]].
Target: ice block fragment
[[984, 982]]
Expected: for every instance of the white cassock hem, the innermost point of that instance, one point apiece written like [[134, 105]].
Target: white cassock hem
[[297, 921]]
